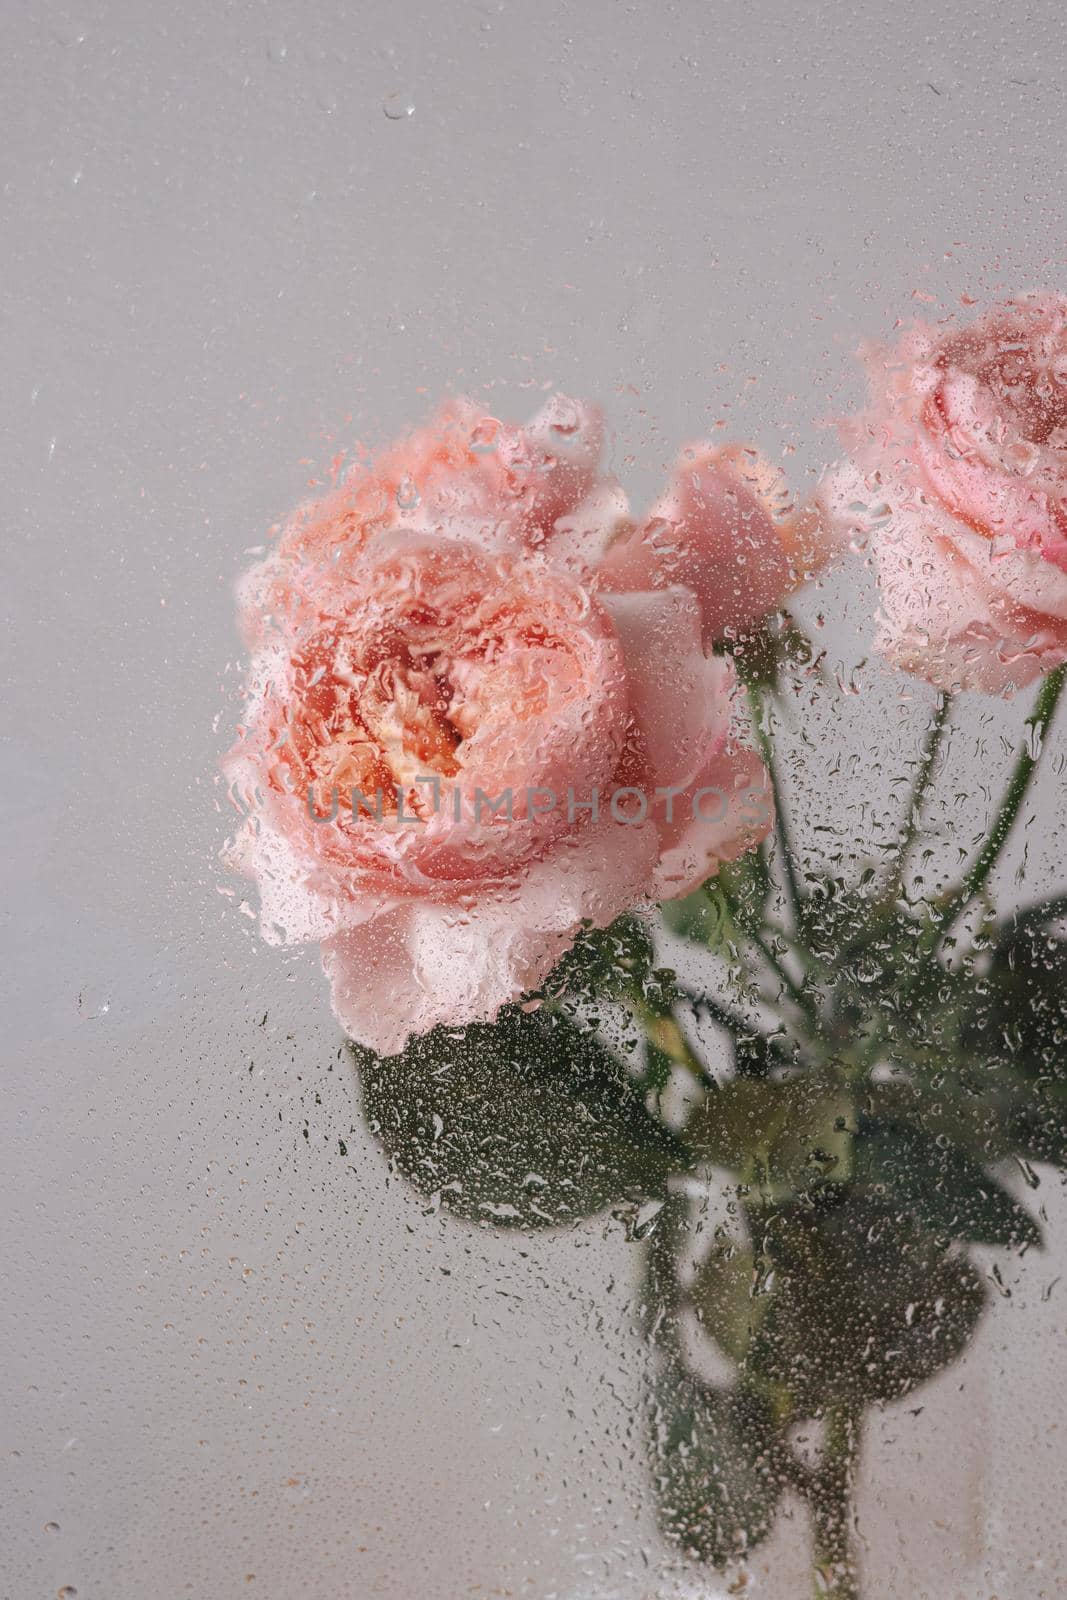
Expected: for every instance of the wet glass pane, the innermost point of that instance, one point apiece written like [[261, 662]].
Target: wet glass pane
[[534, 888]]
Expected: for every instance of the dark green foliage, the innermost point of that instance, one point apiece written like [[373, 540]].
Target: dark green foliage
[[940, 1186], [605, 963], [713, 1465], [526, 1122], [865, 1305], [868, 1144]]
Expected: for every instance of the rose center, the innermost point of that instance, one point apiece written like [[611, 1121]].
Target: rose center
[[405, 710], [1030, 387], [490, 677], [378, 721]]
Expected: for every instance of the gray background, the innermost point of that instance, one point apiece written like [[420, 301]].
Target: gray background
[[236, 1363]]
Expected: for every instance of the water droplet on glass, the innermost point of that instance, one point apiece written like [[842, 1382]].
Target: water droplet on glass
[[658, 533], [68, 33], [407, 496], [565, 419], [484, 437], [397, 106], [93, 1003]]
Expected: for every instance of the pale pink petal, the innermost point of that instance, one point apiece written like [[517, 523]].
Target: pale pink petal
[[378, 996], [725, 529], [964, 508], [953, 610], [727, 809], [464, 475], [581, 538], [301, 899], [558, 453], [425, 963], [680, 698], [438, 620]]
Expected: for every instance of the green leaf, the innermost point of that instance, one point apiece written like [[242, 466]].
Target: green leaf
[[865, 1305], [706, 918], [526, 1122], [610, 962], [1020, 1019], [716, 1488], [972, 1116], [755, 1056], [724, 1299], [944, 1188], [871, 952], [1036, 1126], [787, 1134], [1013, 1034], [746, 884], [658, 1067]]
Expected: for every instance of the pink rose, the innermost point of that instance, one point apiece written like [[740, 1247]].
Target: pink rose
[[958, 484], [726, 528], [497, 750]]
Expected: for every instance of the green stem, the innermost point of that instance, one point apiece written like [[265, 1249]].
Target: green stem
[[665, 1032], [1025, 763], [713, 889], [781, 827], [661, 1277], [735, 1025], [1042, 911], [794, 990], [832, 1510], [732, 1021], [931, 746], [763, 867]]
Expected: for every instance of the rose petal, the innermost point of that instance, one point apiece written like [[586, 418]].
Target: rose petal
[[723, 529], [727, 809], [423, 963], [679, 697], [952, 610]]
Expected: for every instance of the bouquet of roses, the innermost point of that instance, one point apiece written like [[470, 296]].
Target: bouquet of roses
[[506, 742]]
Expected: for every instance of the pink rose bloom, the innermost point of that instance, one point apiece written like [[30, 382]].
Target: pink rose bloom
[[438, 666], [727, 528], [958, 485]]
